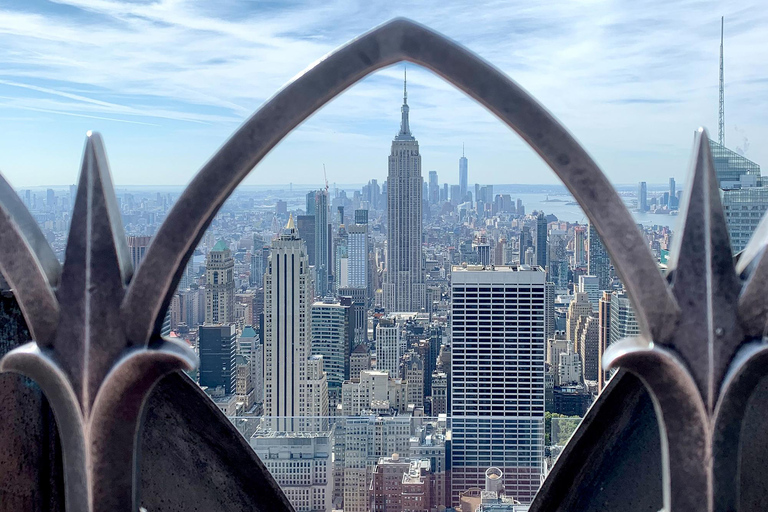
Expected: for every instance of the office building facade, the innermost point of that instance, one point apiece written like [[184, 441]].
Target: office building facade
[[497, 374]]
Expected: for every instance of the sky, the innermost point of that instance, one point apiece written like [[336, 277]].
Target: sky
[[167, 82]]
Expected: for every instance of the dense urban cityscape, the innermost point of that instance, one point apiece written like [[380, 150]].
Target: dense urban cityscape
[[409, 345]]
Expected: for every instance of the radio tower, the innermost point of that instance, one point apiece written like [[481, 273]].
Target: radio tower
[[721, 120]]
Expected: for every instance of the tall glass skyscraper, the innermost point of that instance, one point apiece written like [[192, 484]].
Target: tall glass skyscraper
[[463, 175], [404, 289], [745, 199], [731, 166]]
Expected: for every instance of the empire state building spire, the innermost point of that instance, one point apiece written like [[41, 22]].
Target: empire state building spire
[[404, 284], [405, 128]]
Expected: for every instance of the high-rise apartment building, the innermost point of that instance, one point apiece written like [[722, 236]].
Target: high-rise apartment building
[[219, 285], [404, 288], [598, 262], [287, 310], [497, 376], [218, 350]]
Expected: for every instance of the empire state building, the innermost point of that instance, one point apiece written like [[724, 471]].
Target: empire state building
[[404, 288]]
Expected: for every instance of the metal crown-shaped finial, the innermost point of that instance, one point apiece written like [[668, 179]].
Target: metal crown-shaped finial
[[95, 378], [702, 373]]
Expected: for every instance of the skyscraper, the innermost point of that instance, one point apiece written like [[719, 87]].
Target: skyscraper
[[588, 336], [218, 348], [497, 417], [598, 263], [541, 240], [604, 316], [341, 258], [138, 245], [219, 285], [357, 253], [463, 175], [579, 307], [306, 226], [332, 339], [404, 289], [388, 346], [591, 286], [578, 246], [623, 322], [672, 194], [642, 197], [287, 303], [322, 247], [434, 188]]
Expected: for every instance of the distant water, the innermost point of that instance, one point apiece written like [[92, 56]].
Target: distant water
[[565, 210], [562, 205]]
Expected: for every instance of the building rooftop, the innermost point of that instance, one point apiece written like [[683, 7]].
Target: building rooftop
[[496, 268], [221, 245]]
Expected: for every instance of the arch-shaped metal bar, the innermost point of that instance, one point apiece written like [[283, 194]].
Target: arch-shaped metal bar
[[752, 265], [686, 447], [746, 372], [29, 265], [397, 40]]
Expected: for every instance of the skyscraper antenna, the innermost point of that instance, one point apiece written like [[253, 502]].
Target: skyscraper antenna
[[721, 119], [462, 149], [405, 82]]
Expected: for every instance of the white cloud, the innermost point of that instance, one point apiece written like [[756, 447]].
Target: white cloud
[[631, 80]]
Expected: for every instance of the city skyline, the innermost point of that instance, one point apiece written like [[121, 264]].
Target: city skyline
[[629, 84]]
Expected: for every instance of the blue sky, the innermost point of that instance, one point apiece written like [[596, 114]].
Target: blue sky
[[166, 82]]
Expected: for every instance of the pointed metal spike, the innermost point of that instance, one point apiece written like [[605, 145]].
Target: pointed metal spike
[[29, 265], [752, 266], [96, 270], [703, 278]]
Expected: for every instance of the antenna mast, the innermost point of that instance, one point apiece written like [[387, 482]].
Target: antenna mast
[[721, 119], [326, 180]]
